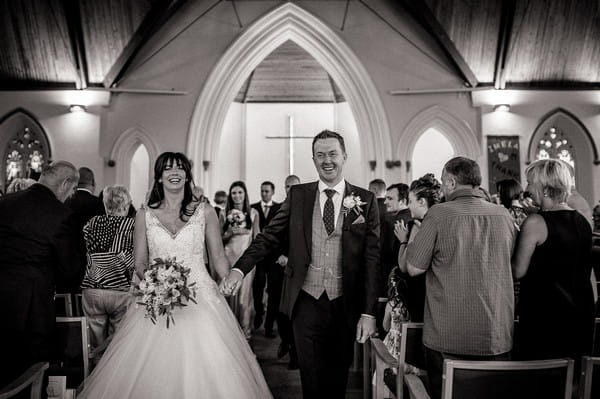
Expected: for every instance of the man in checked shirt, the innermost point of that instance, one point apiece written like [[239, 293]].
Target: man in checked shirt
[[464, 245]]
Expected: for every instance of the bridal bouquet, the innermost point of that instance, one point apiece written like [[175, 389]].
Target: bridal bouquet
[[236, 218], [164, 287]]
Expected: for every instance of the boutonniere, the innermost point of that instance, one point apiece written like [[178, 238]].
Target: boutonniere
[[352, 203]]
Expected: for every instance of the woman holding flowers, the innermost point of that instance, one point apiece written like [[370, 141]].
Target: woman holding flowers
[[239, 224], [202, 354]]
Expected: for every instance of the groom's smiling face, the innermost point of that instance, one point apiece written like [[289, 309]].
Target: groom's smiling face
[[329, 159]]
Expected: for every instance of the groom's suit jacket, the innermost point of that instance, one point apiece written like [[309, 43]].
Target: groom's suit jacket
[[360, 249]]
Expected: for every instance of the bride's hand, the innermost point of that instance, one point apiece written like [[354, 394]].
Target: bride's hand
[[230, 284]]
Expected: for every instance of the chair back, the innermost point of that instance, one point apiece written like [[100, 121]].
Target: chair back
[[546, 379], [596, 347], [31, 379], [78, 305], [70, 356], [411, 346], [63, 306], [589, 385]]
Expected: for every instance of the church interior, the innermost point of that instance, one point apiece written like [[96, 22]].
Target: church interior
[[242, 86]]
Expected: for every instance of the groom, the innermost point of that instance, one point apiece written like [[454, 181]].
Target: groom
[[331, 279]]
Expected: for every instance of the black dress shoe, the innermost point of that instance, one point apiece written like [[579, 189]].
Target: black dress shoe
[[283, 350], [269, 334]]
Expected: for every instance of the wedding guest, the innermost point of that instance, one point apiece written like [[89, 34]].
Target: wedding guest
[[85, 205], [576, 200], [267, 271], [105, 286], [464, 245], [596, 216], [38, 247], [552, 259], [284, 324], [330, 288], [19, 184], [238, 233], [220, 201], [424, 193], [510, 194], [378, 187]]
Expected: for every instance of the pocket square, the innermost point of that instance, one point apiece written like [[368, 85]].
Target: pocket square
[[360, 219]]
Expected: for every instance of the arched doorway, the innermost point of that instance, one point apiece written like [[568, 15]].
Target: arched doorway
[[561, 135], [25, 147], [452, 129], [432, 150], [288, 22]]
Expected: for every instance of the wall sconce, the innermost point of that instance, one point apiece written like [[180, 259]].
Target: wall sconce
[[407, 166], [111, 163], [373, 165], [393, 164], [77, 108], [501, 108], [206, 165]]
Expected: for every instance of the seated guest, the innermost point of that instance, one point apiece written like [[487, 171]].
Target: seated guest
[[510, 193], [109, 243], [423, 194], [552, 259]]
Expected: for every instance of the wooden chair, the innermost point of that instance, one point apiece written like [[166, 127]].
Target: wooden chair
[[71, 350], [546, 379], [411, 352], [589, 387], [32, 378], [78, 305], [63, 305]]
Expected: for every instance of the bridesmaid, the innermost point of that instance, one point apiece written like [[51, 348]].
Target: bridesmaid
[[237, 236]]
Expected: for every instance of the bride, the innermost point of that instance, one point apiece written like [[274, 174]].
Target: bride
[[205, 354]]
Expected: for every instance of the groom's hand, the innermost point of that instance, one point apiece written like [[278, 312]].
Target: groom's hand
[[366, 328], [231, 284]]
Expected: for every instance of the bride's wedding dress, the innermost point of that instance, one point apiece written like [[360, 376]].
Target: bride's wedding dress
[[204, 355]]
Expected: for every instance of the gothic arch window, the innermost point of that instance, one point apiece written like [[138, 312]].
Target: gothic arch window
[[431, 151], [26, 149], [555, 144]]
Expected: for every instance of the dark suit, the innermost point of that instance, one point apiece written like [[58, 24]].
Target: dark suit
[[85, 206], [324, 356], [269, 272], [391, 245], [37, 247]]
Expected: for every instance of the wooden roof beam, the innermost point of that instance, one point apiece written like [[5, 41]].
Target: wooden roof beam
[[425, 17], [73, 16], [153, 21], [506, 24]]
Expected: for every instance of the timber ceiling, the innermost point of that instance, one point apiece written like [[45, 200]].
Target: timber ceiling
[[53, 44]]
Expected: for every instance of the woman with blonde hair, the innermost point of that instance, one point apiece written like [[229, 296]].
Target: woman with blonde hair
[[552, 259]]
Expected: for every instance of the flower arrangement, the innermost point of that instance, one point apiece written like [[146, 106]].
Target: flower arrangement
[[236, 218], [165, 287], [352, 203]]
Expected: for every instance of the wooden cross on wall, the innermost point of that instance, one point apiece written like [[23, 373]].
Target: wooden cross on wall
[[291, 137]]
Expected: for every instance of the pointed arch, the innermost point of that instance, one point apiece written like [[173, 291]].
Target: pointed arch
[[125, 147], [457, 131], [584, 147], [36, 140], [287, 22]]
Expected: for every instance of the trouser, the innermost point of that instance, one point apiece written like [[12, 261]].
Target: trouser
[[104, 310], [325, 344], [274, 287]]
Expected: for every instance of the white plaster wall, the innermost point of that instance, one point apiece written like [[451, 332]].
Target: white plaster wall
[[228, 163]]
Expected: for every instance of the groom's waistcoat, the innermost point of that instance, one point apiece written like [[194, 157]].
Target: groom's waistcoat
[[325, 270]]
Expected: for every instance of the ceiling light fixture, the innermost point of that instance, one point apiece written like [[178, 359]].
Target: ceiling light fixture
[[502, 107], [77, 108]]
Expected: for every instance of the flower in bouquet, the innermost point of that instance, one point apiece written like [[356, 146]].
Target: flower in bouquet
[[165, 286], [352, 203], [236, 218]]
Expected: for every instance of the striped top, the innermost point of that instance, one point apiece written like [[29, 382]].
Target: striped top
[[465, 244], [109, 244]]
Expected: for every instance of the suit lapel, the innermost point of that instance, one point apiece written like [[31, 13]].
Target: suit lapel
[[348, 219], [310, 193]]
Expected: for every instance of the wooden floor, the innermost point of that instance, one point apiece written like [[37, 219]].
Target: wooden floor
[[285, 384]]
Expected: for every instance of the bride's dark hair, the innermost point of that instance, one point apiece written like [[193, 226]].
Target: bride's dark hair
[[157, 195]]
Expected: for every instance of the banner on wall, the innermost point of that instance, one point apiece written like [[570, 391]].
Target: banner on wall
[[503, 159]]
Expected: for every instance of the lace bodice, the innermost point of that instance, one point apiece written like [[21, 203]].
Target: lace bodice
[[187, 246]]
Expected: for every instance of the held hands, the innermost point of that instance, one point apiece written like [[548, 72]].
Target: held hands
[[230, 284], [282, 260], [366, 328]]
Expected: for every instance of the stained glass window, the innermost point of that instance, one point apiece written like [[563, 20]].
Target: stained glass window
[[26, 155], [554, 144]]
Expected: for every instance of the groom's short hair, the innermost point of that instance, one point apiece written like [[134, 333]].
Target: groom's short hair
[[328, 134]]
